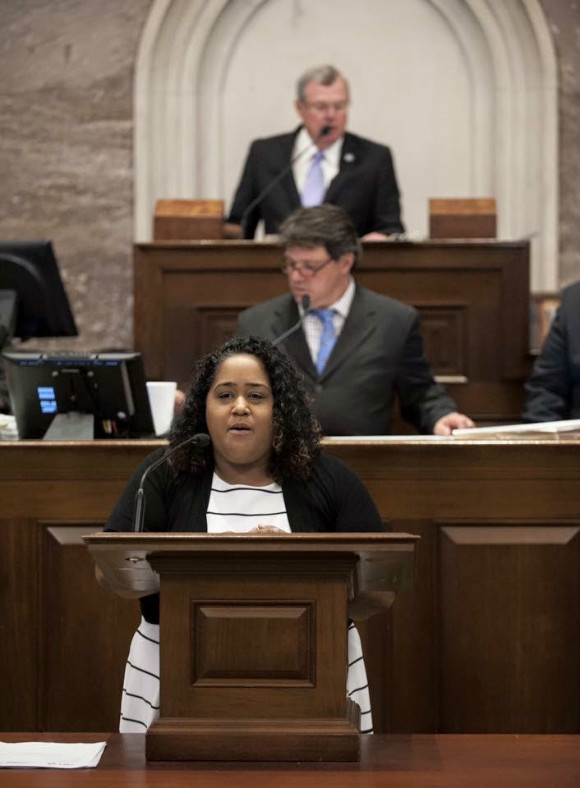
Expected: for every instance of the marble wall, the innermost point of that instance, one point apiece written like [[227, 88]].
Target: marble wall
[[66, 146], [564, 20]]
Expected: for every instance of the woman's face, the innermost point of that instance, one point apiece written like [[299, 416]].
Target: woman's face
[[239, 414]]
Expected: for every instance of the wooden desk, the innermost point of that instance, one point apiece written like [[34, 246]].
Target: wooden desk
[[414, 761], [473, 297], [487, 641]]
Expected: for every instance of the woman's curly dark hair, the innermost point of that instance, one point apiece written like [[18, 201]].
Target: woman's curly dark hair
[[296, 440]]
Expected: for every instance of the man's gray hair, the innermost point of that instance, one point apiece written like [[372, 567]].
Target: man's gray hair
[[324, 225], [321, 75]]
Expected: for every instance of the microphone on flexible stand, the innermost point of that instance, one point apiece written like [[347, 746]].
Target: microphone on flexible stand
[[305, 304], [201, 439], [277, 178]]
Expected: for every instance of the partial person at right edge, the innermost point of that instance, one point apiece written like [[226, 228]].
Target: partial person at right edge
[[319, 162], [553, 390]]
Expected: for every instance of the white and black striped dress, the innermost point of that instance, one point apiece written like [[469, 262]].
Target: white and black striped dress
[[236, 508]]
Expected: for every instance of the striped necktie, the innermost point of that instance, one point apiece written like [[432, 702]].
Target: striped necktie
[[328, 337], [314, 188]]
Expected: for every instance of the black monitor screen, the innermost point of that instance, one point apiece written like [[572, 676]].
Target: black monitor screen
[[110, 387], [29, 269]]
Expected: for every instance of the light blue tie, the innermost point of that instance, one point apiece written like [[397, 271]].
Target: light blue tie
[[328, 338], [314, 188]]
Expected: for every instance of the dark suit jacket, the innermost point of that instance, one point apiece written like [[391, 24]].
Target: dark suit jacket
[[553, 390], [379, 354], [365, 186]]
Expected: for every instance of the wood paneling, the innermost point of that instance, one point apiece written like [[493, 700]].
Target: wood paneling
[[445, 332], [229, 640], [19, 623], [85, 634], [488, 638], [508, 641]]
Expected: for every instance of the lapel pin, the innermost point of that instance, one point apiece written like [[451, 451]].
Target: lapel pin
[[349, 157]]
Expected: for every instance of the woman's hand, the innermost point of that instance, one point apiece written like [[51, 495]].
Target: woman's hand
[[267, 529], [118, 588], [259, 529]]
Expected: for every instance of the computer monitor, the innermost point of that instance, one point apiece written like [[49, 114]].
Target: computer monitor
[[30, 281], [78, 396]]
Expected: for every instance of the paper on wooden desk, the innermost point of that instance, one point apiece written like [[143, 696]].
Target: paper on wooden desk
[[50, 755], [567, 425]]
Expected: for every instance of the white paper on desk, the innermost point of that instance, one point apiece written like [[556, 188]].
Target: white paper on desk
[[8, 429], [567, 425], [50, 755], [383, 438]]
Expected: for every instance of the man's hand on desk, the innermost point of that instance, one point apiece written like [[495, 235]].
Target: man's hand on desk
[[453, 421], [374, 236]]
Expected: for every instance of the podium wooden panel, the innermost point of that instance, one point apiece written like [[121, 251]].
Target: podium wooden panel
[[254, 637], [500, 516], [473, 298]]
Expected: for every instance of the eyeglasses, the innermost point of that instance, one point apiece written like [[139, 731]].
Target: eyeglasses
[[306, 267], [324, 106]]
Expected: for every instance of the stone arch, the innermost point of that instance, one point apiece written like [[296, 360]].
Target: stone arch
[[508, 63]]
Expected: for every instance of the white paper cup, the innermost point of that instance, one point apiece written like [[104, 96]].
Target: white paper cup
[[162, 401]]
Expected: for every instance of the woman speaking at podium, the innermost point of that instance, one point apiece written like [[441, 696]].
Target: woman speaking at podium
[[261, 470]]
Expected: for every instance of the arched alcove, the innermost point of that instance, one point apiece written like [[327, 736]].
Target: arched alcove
[[464, 91]]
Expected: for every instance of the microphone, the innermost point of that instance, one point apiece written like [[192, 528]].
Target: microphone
[[277, 178], [305, 304], [201, 439]]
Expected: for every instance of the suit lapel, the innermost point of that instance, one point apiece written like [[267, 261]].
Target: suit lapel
[[359, 325], [288, 182], [347, 164], [296, 346]]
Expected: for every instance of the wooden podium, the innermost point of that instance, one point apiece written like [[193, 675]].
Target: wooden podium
[[254, 637]]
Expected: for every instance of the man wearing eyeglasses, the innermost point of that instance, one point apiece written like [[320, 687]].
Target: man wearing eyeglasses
[[357, 350], [319, 162]]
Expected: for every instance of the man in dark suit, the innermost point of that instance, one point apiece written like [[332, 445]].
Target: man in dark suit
[[553, 390], [319, 162], [357, 350]]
